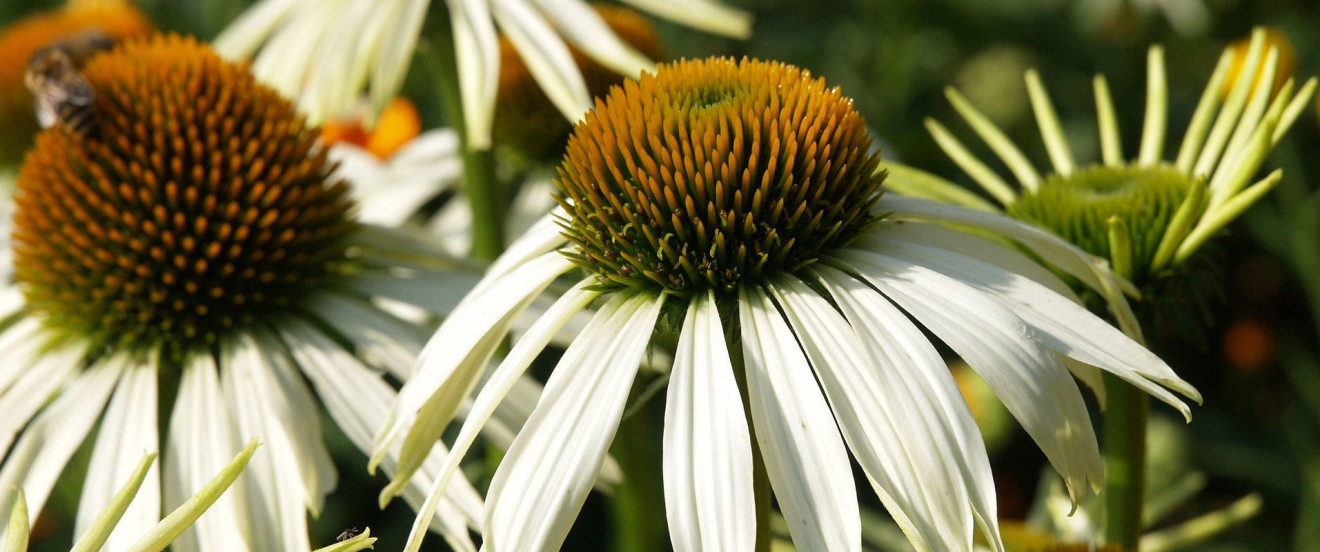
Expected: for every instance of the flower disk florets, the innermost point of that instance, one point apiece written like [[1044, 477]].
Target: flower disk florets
[[201, 205], [713, 172], [1078, 207]]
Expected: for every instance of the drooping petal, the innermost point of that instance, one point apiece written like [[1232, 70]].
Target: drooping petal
[[918, 381], [478, 52], [358, 400], [1063, 325], [128, 430], [805, 457], [201, 436], [39, 456], [501, 382], [709, 502], [584, 27], [885, 423], [1005, 351], [250, 28], [1091, 270], [700, 14], [547, 57], [282, 481], [40, 376], [427, 402], [545, 476]]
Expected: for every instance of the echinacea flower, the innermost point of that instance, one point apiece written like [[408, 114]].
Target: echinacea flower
[[737, 203], [14, 537], [1146, 215], [326, 53], [118, 19], [196, 257]]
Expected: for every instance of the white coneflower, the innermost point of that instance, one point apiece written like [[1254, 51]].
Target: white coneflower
[[737, 204], [195, 256], [325, 52]]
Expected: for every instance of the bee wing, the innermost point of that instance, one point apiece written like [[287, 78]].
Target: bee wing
[[78, 91]]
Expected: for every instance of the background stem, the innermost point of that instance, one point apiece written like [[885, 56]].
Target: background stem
[[482, 189]]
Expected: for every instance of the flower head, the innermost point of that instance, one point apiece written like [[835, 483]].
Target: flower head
[[316, 49], [1147, 216], [117, 18], [200, 242], [736, 204]]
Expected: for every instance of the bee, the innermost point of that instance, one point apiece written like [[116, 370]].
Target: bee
[[348, 534], [61, 94]]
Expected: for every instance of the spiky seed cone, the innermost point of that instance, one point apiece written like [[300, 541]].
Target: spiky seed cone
[[713, 172], [203, 205]]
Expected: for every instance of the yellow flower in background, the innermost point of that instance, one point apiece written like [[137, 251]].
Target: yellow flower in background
[[117, 18]]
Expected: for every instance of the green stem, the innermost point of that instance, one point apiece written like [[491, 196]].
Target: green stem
[[1125, 461], [760, 479], [483, 190], [638, 503]]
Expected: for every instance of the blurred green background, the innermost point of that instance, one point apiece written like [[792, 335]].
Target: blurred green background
[[1258, 367]]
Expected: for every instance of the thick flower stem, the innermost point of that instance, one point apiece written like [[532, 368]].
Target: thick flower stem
[[483, 190], [1125, 461], [638, 504]]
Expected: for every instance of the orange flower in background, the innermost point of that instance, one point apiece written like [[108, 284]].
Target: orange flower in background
[[398, 125], [18, 41], [1248, 345]]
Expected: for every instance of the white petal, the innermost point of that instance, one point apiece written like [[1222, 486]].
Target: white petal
[[543, 237], [128, 431], [500, 383], [1064, 326], [1091, 270], [700, 14], [929, 408], [20, 346], [881, 424], [478, 51], [358, 400], [286, 61], [343, 58], [201, 439], [285, 477], [40, 455], [993, 253], [545, 476], [1005, 352], [546, 56], [40, 377], [709, 502], [377, 337], [584, 27], [391, 63], [246, 33], [804, 454], [457, 354]]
